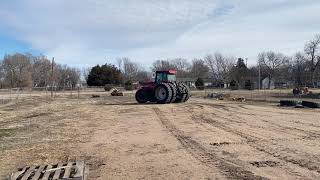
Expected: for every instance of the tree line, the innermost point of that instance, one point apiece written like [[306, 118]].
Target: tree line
[[300, 69], [26, 70]]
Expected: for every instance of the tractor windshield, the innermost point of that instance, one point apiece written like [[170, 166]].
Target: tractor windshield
[[165, 77], [171, 77]]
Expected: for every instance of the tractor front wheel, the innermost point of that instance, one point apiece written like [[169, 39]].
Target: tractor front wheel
[[141, 96]]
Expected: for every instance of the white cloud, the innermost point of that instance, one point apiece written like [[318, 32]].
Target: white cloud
[[89, 32]]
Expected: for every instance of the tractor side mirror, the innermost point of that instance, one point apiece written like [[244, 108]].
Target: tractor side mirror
[[153, 75]]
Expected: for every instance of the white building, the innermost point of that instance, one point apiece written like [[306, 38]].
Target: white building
[[265, 83]]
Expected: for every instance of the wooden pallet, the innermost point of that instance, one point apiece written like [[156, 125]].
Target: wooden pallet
[[62, 171]]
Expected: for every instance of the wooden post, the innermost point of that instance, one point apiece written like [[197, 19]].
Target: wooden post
[[78, 92], [52, 64]]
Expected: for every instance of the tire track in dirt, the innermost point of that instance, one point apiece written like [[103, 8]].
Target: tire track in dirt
[[258, 144], [295, 122], [289, 130], [205, 156], [281, 128]]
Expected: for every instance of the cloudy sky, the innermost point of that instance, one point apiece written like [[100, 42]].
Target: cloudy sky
[[87, 32]]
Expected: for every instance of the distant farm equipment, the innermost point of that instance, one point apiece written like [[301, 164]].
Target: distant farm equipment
[[116, 92], [165, 89]]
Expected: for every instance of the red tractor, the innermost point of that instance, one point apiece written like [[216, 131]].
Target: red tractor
[[164, 89]]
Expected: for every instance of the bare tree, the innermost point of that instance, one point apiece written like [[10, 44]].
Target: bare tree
[[26, 70], [182, 66], [85, 73], [199, 69], [65, 76], [211, 62], [162, 65], [299, 64], [41, 69], [2, 75], [312, 51], [130, 69], [224, 66], [17, 70], [119, 62], [143, 76], [272, 62], [219, 66]]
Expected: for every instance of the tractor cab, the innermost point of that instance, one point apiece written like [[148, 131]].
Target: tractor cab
[[165, 76]]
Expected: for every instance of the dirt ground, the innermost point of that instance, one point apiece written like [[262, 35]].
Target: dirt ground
[[200, 139]]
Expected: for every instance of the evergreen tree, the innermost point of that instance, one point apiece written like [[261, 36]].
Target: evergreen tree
[[105, 74]]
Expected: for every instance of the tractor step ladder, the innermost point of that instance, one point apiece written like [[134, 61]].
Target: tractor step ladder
[[61, 171]]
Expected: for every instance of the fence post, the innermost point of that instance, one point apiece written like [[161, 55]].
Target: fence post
[[78, 92], [205, 92]]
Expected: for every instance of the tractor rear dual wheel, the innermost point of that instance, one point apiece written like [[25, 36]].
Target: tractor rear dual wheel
[[188, 93], [183, 93], [174, 92]]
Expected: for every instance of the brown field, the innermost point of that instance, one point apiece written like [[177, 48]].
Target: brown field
[[200, 139]]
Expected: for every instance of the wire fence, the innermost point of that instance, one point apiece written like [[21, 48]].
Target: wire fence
[[269, 95], [14, 94], [9, 95]]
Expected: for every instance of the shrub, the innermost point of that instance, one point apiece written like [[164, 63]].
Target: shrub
[[128, 85], [234, 85], [199, 84]]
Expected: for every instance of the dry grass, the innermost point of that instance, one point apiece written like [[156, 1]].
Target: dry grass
[[200, 139]]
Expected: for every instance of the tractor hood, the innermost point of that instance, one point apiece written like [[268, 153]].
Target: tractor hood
[[146, 83]]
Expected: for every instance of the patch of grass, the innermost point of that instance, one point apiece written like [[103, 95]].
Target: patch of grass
[[7, 132]]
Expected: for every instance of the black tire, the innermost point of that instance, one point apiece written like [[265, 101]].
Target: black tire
[[181, 93], [141, 96], [288, 103], [188, 92], [178, 99], [184, 97], [310, 104], [163, 93], [174, 92]]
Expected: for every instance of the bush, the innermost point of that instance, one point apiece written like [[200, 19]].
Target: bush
[[234, 85], [128, 85], [199, 84]]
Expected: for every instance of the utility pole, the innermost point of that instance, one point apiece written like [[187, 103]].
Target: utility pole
[[52, 64], [259, 77]]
